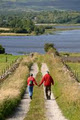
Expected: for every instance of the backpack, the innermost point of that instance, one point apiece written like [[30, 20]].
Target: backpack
[[30, 82]]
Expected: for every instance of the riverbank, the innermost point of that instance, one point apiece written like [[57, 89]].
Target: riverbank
[[52, 31], [15, 34], [55, 28], [44, 24]]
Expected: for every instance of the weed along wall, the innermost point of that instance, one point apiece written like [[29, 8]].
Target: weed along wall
[[10, 70], [66, 88], [13, 88]]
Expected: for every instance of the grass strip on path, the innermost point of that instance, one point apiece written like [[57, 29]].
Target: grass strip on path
[[37, 106]]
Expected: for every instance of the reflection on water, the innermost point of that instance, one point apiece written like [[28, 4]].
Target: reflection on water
[[63, 41], [64, 27]]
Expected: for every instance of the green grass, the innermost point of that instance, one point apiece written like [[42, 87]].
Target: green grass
[[65, 89], [6, 61], [75, 68], [70, 54], [37, 106]]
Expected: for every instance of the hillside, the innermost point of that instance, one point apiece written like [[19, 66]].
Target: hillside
[[37, 5], [65, 91]]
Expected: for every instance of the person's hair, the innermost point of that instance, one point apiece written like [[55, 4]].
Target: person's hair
[[31, 74], [47, 72]]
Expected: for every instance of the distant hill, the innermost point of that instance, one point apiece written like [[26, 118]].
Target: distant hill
[[38, 5]]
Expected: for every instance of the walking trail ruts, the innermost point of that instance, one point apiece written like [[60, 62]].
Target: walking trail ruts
[[21, 111], [52, 110]]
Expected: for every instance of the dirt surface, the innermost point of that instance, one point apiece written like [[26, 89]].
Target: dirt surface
[[21, 111], [52, 110], [71, 59]]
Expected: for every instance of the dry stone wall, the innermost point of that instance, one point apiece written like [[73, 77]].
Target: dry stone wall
[[10, 70]]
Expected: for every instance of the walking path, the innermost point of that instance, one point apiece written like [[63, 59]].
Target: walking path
[[23, 108], [52, 110]]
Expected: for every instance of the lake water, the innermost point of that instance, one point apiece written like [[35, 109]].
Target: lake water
[[65, 27], [67, 41]]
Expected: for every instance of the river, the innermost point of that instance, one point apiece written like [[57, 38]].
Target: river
[[67, 41]]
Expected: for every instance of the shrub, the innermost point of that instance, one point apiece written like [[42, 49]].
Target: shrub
[[2, 50], [39, 30], [48, 46], [48, 27]]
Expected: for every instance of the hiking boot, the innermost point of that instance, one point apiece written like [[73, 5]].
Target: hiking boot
[[30, 97], [48, 98]]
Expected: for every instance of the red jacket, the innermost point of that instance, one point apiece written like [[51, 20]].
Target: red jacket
[[47, 79], [29, 79]]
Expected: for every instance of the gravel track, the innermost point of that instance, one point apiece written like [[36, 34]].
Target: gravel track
[[52, 110], [21, 111]]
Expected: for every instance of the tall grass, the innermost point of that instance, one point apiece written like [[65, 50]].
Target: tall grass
[[13, 88], [66, 89]]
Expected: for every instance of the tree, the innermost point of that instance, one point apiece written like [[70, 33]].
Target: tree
[[36, 30], [39, 30], [16, 23], [47, 46], [2, 50], [28, 25]]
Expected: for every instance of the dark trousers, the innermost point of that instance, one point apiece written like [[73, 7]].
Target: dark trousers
[[48, 92]]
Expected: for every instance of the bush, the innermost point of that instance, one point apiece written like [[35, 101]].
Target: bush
[[19, 30], [47, 46], [39, 30], [2, 50], [8, 106], [48, 27]]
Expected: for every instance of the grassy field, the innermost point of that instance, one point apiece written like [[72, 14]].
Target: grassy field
[[75, 68], [65, 89], [73, 62], [53, 31], [69, 54], [6, 61], [44, 24], [60, 29], [6, 29], [14, 34]]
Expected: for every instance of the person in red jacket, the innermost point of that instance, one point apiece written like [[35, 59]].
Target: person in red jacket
[[30, 82], [47, 80]]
